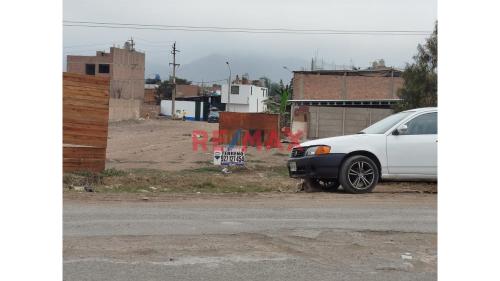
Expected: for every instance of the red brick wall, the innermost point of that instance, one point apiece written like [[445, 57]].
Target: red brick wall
[[187, 90], [149, 96], [339, 87]]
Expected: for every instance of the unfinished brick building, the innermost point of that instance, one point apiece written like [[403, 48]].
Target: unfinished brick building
[[125, 68], [347, 84], [329, 103]]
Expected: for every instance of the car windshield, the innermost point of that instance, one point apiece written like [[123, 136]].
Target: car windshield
[[213, 114], [385, 124]]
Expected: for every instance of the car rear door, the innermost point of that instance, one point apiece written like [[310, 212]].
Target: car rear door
[[414, 152]]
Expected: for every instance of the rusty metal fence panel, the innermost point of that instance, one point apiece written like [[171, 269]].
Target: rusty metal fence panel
[[236, 124]]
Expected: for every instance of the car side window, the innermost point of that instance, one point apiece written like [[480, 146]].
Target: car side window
[[425, 124]]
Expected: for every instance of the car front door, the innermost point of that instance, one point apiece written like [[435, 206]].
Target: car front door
[[415, 151]]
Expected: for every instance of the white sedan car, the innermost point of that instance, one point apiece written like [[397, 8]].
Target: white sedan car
[[402, 146]]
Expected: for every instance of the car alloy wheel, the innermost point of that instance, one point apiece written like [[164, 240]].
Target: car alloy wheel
[[361, 175]]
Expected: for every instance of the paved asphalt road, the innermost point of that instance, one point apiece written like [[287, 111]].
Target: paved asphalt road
[[297, 238]]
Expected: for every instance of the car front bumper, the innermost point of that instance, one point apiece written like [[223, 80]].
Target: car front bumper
[[316, 166]]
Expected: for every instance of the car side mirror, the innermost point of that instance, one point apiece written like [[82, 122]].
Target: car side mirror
[[401, 130]]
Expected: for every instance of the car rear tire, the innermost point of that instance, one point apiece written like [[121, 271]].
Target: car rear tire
[[359, 174]]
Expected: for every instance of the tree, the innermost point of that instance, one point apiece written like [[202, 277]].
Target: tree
[[267, 81], [151, 81], [164, 91], [277, 103], [420, 77], [180, 81], [284, 94], [275, 88], [166, 87]]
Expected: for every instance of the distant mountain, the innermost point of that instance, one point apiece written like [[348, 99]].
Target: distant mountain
[[213, 67]]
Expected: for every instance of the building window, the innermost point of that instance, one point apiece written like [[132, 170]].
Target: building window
[[235, 90], [90, 69], [103, 68]]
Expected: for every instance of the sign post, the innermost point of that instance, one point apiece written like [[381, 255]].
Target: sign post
[[229, 156]]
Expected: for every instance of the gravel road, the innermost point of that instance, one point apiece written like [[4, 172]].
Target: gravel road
[[258, 237]]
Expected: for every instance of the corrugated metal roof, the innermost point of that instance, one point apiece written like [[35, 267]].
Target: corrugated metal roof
[[385, 72], [368, 102]]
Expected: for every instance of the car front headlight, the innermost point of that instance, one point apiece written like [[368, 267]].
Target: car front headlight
[[318, 150]]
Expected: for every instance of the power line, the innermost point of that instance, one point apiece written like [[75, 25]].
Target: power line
[[85, 45], [253, 32], [242, 29], [146, 43], [83, 48], [156, 42]]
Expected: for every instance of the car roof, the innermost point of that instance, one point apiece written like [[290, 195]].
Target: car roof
[[422, 109]]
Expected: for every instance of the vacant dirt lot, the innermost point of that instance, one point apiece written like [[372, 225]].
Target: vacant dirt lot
[[156, 156], [167, 145]]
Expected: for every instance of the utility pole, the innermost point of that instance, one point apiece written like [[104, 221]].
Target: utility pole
[[174, 65], [228, 87], [132, 44]]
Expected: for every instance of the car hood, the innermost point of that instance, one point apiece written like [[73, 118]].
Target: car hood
[[339, 140]]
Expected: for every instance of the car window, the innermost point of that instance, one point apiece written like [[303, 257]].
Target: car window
[[425, 124], [385, 124]]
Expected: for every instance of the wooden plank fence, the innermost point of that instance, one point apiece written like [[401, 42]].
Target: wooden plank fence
[[85, 122]]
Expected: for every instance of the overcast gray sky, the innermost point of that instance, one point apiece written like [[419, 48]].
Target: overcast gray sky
[[312, 14]]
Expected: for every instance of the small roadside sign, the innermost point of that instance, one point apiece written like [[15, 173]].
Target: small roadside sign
[[217, 155], [229, 156]]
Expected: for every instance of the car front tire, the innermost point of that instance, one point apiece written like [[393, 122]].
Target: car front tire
[[359, 174]]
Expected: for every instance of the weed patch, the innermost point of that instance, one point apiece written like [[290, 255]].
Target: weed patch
[[208, 179], [113, 173]]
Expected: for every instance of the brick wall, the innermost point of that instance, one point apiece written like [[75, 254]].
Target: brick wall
[[344, 86], [126, 71], [76, 64], [149, 111], [149, 96], [187, 91]]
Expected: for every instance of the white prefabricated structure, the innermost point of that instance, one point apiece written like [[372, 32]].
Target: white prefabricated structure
[[189, 107], [244, 98]]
